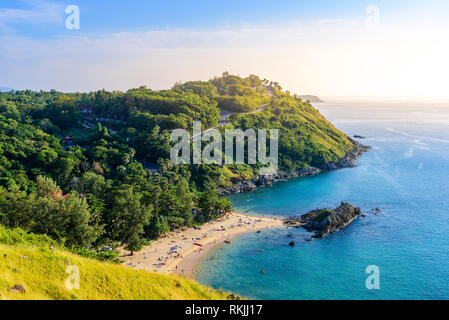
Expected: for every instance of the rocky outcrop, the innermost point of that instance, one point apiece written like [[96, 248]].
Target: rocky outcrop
[[267, 181], [348, 161], [325, 221]]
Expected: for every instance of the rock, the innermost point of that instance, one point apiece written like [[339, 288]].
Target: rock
[[18, 288], [348, 161], [5, 255], [359, 137], [293, 222], [376, 211], [24, 257], [267, 181], [292, 243], [325, 221], [262, 271], [52, 248], [233, 297]]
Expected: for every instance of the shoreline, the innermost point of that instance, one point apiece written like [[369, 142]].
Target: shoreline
[[188, 265], [176, 253], [348, 161]]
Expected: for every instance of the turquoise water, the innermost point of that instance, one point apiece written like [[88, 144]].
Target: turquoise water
[[406, 175]]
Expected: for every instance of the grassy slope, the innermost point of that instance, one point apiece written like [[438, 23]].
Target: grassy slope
[[298, 122], [31, 262], [325, 133]]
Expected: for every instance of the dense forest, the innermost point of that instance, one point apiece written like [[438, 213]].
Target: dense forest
[[92, 170]]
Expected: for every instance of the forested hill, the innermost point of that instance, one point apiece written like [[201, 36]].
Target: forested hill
[[93, 169]]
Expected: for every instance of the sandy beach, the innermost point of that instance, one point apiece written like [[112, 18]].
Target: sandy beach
[[179, 252]]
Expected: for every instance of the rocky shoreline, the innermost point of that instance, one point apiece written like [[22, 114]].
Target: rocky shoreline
[[325, 221], [348, 161]]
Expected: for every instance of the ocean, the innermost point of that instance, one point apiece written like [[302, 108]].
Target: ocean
[[406, 175]]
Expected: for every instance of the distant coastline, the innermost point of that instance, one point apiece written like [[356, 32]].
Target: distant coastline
[[311, 98], [6, 89]]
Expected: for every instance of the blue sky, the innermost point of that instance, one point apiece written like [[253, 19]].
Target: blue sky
[[324, 47], [109, 16], [113, 16]]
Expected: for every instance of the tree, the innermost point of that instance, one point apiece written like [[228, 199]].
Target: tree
[[91, 182], [80, 227], [185, 198], [47, 211], [101, 132], [63, 112], [9, 110], [128, 217], [47, 126], [158, 226], [211, 206]]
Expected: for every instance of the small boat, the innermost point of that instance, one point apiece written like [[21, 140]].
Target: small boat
[[198, 244], [228, 241]]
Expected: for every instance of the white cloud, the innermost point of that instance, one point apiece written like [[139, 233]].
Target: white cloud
[[325, 57], [40, 12]]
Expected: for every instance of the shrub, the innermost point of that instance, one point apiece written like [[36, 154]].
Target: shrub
[[20, 237]]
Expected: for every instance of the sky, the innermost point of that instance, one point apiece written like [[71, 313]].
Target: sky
[[344, 48]]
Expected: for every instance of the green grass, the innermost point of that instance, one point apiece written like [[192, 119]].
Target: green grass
[[82, 136], [39, 265], [322, 215], [306, 138]]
